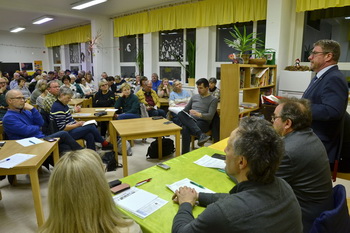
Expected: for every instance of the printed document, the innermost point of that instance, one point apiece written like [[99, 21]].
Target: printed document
[[191, 184], [208, 161], [14, 160], [90, 122], [29, 141], [139, 202]]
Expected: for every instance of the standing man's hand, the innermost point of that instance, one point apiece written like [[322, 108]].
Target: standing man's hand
[[28, 107]]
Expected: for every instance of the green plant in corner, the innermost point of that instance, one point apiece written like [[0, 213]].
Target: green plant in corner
[[243, 42], [191, 57]]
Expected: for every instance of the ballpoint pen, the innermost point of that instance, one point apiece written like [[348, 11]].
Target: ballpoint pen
[[198, 185], [32, 142], [5, 160], [143, 182]]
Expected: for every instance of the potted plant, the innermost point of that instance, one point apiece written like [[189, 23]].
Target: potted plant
[[243, 42], [139, 61], [191, 57], [259, 57]]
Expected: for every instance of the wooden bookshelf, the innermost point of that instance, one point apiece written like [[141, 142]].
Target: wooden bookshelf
[[252, 80]]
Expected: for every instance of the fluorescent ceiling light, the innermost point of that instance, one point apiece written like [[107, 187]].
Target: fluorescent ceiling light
[[85, 4], [43, 19], [348, 17], [17, 29]]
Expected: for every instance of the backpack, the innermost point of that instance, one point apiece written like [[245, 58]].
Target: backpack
[[109, 159], [168, 148]]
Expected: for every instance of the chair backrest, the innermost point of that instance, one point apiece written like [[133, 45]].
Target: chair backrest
[[143, 110], [336, 220], [49, 127]]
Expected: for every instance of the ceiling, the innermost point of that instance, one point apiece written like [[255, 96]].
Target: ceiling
[[22, 12]]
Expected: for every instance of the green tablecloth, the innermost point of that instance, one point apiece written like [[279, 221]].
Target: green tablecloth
[[181, 167]]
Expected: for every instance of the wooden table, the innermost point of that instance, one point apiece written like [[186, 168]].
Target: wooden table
[[76, 102], [87, 114], [85, 103], [31, 166], [142, 128]]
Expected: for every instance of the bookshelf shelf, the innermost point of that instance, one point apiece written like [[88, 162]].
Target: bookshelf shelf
[[252, 80]]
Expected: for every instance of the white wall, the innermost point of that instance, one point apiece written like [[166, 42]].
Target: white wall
[[23, 47]]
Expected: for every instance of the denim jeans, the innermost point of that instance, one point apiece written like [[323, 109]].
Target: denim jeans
[[89, 133], [158, 112], [191, 127], [128, 116], [66, 143]]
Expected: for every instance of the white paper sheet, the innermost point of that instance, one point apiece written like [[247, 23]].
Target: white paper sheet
[[29, 141], [187, 182], [111, 110], [139, 202], [208, 161], [14, 160], [81, 114], [90, 122]]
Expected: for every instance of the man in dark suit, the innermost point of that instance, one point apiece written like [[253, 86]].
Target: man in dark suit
[[328, 94], [305, 163]]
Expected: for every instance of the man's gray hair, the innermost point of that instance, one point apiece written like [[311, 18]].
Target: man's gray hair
[[52, 81], [261, 146], [66, 91]]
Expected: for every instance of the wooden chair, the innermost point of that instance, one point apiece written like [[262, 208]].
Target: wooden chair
[[80, 142], [1, 131], [209, 133]]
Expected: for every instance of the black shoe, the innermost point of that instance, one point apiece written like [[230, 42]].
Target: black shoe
[[203, 139], [109, 146]]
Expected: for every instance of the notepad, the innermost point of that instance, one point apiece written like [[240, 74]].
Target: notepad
[[90, 122], [14, 160], [187, 182], [139, 202], [29, 141], [81, 114]]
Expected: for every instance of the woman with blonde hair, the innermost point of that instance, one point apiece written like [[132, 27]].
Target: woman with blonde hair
[[164, 88], [80, 200]]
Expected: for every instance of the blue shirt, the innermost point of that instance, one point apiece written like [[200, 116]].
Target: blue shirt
[[155, 85]]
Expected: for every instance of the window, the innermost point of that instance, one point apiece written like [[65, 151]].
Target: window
[[74, 53], [223, 31], [170, 73], [171, 45], [127, 48], [131, 55], [56, 55], [127, 71], [328, 23]]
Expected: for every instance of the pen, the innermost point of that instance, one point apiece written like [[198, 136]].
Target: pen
[[143, 182], [32, 142], [221, 170], [196, 184], [5, 160]]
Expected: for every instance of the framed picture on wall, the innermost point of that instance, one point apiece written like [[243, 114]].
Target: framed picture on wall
[[27, 66]]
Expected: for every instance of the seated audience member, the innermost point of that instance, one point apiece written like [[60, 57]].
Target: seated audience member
[[61, 115], [104, 75], [202, 108], [177, 101], [164, 89], [14, 83], [33, 83], [136, 84], [260, 202], [53, 89], [111, 84], [143, 79], [128, 104], [305, 164], [3, 103], [86, 89], [80, 199], [66, 83], [90, 81], [104, 97], [118, 82], [149, 97], [22, 120], [214, 91], [41, 97], [22, 87], [155, 81], [40, 87]]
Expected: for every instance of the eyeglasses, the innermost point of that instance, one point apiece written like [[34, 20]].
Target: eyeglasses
[[313, 53], [2, 82], [18, 98], [273, 117]]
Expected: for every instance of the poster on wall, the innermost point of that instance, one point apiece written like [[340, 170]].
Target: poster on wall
[[27, 66], [38, 65]]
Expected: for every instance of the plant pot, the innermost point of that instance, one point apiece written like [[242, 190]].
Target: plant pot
[[191, 82], [258, 61], [245, 58]]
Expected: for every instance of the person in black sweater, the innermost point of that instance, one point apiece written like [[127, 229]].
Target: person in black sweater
[[103, 98]]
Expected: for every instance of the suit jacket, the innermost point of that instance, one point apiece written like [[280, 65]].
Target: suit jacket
[[329, 98], [305, 167]]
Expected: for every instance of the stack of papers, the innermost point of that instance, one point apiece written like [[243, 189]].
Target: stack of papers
[[90, 122], [208, 161], [187, 182], [139, 202], [81, 114], [14, 160]]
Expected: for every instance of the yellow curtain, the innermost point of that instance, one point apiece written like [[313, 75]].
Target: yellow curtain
[[192, 15], [74, 35], [309, 5]]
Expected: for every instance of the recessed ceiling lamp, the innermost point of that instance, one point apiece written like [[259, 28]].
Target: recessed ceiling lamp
[[43, 19], [17, 29], [348, 17], [85, 4]]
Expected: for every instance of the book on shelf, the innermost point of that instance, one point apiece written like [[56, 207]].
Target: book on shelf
[[259, 77], [248, 105], [241, 78]]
